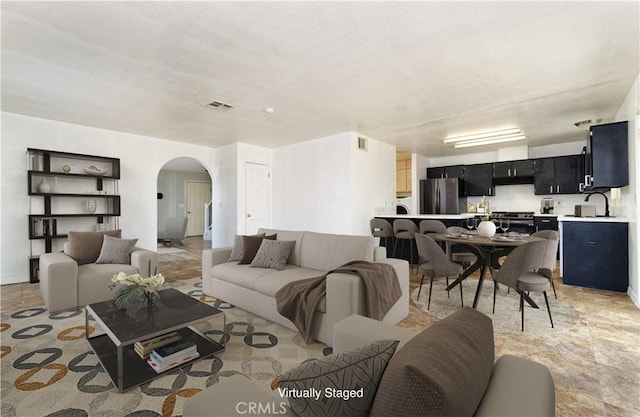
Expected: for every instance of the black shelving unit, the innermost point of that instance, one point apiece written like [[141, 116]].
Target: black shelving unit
[[85, 176]]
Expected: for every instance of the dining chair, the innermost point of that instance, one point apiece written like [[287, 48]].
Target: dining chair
[[463, 258], [519, 271], [404, 230], [549, 262], [382, 229], [438, 265]]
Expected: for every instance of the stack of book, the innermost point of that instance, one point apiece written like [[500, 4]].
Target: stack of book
[[145, 347], [172, 355]]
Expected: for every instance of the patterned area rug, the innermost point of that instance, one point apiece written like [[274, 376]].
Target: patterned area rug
[[507, 316], [48, 368]]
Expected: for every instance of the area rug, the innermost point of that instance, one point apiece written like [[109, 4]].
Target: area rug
[[48, 368], [163, 250], [507, 315]]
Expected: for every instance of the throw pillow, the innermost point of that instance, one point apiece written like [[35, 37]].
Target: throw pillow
[[116, 251], [273, 254], [342, 384], [441, 372], [84, 247], [251, 246], [237, 252]]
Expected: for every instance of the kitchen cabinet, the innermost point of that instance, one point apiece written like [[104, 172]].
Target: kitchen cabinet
[[558, 175], [478, 180], [63, 188], [453, 171], [607, 157], [517, 171], [595, 254], [403, 176], [546, 223]]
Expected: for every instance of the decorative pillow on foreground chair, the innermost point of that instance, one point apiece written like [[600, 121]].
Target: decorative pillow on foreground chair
[[82, 274]]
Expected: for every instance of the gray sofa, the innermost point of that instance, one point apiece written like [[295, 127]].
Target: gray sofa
[[447, 370], [253, 289]]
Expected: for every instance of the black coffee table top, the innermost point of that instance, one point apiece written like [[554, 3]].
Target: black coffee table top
[[173, 310]]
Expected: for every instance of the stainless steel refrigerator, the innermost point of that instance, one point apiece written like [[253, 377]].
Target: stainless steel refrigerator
[[442, 196]]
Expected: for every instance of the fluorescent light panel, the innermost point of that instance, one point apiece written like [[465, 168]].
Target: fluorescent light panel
[[490, 141], [484, 135]]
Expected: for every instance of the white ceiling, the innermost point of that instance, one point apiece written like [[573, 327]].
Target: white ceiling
[[407, 73]]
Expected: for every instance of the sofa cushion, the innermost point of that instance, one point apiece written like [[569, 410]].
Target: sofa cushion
[[116, 251], [237, 251], [241, 275], [355, 373], [84, 247], [251, 246], [328, 251], [273, 254], [297, 236], [443, 371]]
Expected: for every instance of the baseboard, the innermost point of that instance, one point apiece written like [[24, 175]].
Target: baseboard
[[14, 280], [634, 297]]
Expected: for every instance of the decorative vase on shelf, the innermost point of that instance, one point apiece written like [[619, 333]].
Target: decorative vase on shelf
[[90, 206], [486, 228], [44, 186]]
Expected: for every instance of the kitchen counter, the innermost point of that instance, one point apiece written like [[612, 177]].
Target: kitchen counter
[[593, 219]]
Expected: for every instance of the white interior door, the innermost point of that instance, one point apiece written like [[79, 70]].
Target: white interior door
[[198, 194], [257, 196]]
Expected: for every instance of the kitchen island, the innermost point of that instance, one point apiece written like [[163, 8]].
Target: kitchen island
[[594, 252]]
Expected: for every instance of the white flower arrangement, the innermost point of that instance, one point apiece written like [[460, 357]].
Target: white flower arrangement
[[134, 288]]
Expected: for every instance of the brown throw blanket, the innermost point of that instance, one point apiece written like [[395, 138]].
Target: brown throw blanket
[[298, 300]]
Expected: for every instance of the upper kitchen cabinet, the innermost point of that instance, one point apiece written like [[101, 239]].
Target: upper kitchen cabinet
[[453, 171], [607, 163], [558, 175], [513, 172], [403, 177], [478, 180]]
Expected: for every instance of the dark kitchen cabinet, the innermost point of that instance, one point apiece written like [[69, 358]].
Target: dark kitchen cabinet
[[607, 158], [453, 171], [595, 254], [513, 169], [558, 175], [478, 180], [546, 223]]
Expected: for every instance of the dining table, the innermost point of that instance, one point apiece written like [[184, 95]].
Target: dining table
[[488, 251]]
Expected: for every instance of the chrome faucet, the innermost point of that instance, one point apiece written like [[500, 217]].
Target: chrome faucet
[[606, 201]]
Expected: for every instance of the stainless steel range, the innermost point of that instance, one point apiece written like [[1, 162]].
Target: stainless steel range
[[519, 221]]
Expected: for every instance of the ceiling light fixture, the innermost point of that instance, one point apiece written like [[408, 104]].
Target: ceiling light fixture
[[490, 141], [484, 135], [269, 110]]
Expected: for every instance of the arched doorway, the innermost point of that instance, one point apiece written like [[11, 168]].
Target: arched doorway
[[184, 192]]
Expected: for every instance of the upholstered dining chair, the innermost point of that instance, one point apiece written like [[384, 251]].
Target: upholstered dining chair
[[383, 229], [549, 261], [438, 265], [519, 271], [464, 258], [404, 230]]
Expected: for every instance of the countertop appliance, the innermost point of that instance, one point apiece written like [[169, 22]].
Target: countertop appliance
[[546, 206], [441, 196], [584, 210], [519, 221]]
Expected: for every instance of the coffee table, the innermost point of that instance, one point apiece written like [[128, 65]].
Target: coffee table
[[174, 311]]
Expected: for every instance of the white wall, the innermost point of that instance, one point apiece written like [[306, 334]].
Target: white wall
[[630, 110], [419, 163], [373, 181], [141, 158], [225, 196], [328, 185]]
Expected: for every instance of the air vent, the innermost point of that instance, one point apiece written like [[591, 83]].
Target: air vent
[[362, 143], [218, 105]]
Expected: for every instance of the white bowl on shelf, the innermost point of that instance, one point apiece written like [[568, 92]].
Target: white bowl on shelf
[[94, 171]]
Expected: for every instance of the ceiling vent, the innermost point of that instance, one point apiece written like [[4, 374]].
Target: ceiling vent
[[220, 106]]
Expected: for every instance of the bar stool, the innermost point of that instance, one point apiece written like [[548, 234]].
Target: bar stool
[[404, 229], [382, 228]]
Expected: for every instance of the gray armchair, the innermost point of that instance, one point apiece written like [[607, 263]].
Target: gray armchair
[[69, 283], [174, 231]]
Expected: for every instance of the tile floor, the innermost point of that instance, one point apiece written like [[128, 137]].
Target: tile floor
[[595, 365]]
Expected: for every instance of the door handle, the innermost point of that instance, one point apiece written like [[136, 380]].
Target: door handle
[[515, 172], [248, 214], [557, 189], [551, 189], [581, 187], [509, 172]]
